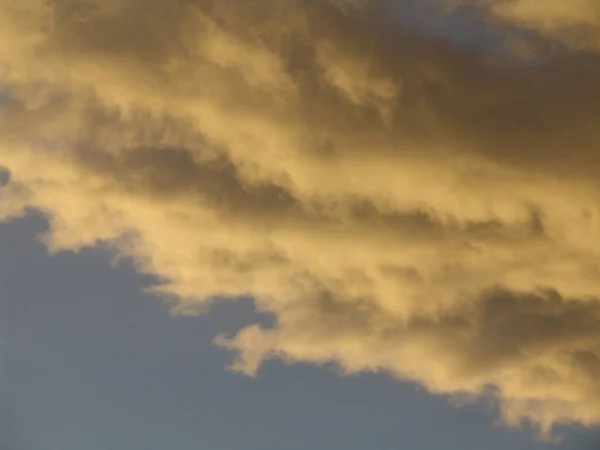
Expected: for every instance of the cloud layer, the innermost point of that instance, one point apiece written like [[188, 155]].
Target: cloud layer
[[396, 202]]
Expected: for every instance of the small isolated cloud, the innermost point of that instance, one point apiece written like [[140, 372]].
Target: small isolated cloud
[[395, 202]]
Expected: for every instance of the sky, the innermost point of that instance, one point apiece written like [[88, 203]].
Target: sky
[[337, 224]]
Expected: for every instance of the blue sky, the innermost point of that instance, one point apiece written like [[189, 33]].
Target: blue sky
[[95, 364]]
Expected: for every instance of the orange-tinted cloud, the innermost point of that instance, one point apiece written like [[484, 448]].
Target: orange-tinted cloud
[[396, 202]]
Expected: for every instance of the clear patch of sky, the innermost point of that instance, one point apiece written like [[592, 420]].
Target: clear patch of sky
[[4, 176], [94, 363], [465, 26]]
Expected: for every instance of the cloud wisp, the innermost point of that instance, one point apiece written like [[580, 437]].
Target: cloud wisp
[[396, 202]]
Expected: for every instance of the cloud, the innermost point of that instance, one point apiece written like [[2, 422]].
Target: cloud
[[396, 202], [538, 351]]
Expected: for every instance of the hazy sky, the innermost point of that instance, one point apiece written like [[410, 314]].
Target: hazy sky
[[299, 224]]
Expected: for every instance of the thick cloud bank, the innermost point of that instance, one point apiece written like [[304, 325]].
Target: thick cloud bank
[[396, 202]]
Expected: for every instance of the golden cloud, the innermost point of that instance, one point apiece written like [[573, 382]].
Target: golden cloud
[[395, 202]]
